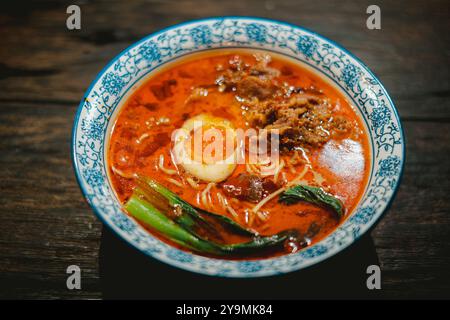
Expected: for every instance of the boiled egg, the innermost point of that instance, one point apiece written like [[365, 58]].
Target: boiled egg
[[204, 147]]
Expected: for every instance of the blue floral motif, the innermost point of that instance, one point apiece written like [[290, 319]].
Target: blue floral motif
[[351, 74], [389, 167], [201, 35], [123, 222], [308, 45], [256, 32], [380, 116], [93, 177], [150, 51], [363, 215], [180, 256], [151, 250], [314, 251], [93, 129], [356, 232], [249, 266], [113, 83]]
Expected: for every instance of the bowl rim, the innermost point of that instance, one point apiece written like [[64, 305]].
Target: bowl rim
[[322, 257]]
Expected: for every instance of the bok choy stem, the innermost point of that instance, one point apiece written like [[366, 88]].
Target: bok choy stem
[[148, 214]]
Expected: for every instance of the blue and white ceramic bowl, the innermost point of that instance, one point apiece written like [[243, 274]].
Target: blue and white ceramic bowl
[[120, 77]]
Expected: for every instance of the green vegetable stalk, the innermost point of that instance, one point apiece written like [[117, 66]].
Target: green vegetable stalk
[[148, 214]]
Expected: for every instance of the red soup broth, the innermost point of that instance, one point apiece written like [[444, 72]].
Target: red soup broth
[[144, 125]]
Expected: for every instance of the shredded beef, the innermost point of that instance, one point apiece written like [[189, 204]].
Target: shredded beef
[[302, 116]]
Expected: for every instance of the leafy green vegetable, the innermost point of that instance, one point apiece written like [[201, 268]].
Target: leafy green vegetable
[[259, 242], [313, 195], [186, 215], [145, 212]]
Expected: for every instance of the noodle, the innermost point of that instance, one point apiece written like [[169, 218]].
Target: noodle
[[293, 159], [262, 215], [318, 178], [175, 182], [251, 218], [192, 183], [290, 166], [165, 170], [279, 168], [220, 198], [267, 199], [284, 178], [142, 138], [300, 176], [205, 196], [122, 174], [249, 168], [228, 207]]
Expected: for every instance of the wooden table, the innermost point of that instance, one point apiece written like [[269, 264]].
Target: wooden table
[[45, 224]]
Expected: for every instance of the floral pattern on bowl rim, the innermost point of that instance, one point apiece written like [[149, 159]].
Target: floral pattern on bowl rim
[[332, 61]]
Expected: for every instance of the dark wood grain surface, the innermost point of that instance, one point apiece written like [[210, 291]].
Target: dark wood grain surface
[[45, 224]]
